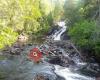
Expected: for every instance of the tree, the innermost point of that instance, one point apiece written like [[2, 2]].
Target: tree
[[20, 16], [72, 11]]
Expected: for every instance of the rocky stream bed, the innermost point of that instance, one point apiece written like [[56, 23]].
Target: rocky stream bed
[[64, 62]]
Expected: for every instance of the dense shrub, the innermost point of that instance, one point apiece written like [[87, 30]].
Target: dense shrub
[[83, 34], [22, 16], [7, 36]]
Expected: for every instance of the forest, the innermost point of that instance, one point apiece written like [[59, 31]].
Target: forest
[[35, 18]]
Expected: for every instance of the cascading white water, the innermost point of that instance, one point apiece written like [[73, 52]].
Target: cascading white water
[[69, 75], [66, 72], [21, 68], [62, 29]]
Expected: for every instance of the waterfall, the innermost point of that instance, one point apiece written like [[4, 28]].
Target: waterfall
[[62, 29], [19, 67], [68, 73]]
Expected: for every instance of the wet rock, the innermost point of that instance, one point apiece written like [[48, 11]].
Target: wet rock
[[98, 76], [55, 60], [70, 47], [1, 53], [15, 49], [60, 78], [40, 77], [61, 60], [53, 30], [93, 67], [22, 38], [44, 77], [65, 36]]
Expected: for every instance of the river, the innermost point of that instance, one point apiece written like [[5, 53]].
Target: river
[[19, 67]]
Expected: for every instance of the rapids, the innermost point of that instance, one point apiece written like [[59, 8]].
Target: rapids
[[71, 67]]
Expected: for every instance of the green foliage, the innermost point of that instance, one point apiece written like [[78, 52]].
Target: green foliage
[[28, 16], [58, 11], [97, 48], [82, 34], [91, 8], [50, 19], [46, 6], [45, 26], [73, 11], [85, 22], [31, 26], [82, 31], [7, 36]]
